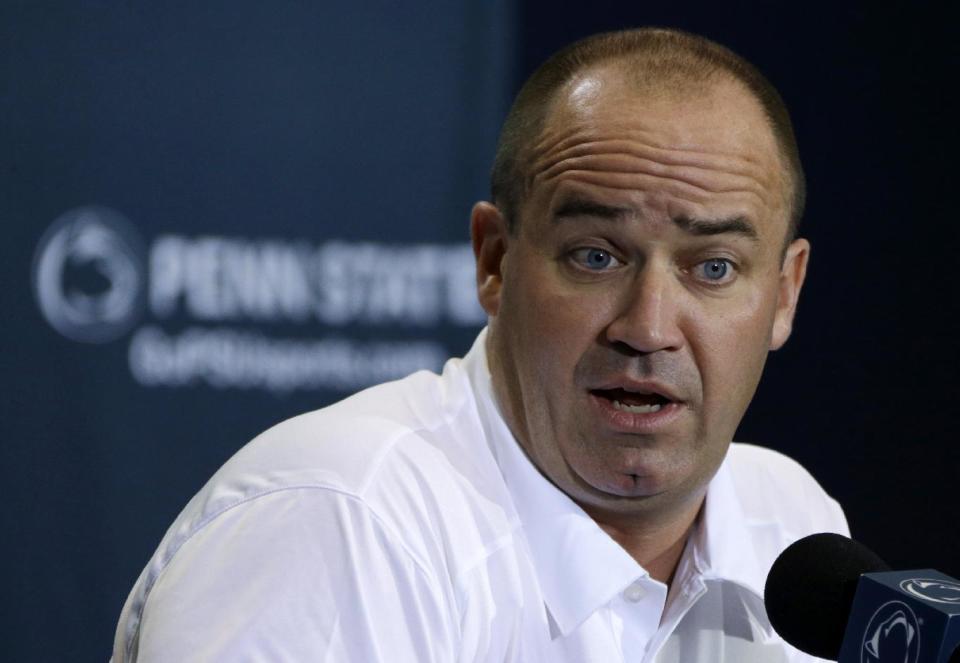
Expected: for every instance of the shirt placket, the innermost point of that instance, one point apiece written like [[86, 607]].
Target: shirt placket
[[636, 613], [686, 597]]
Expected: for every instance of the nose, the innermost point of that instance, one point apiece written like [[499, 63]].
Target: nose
[[649, 313]]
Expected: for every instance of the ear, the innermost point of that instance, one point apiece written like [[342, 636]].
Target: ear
[[792, 274], [488, 231]]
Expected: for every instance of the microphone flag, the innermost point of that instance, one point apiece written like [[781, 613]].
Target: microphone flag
[[903, 617]]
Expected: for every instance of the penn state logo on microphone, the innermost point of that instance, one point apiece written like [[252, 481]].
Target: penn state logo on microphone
[[89, 276], [892, 635], [932, 589]]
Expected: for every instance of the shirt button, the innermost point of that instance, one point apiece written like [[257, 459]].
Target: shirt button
[[634, 592]]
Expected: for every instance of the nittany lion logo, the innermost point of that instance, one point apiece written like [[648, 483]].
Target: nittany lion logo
[[933, 589], [88, 275], [892, 635]]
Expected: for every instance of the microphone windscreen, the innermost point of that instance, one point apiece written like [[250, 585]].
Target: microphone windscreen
[[810, 590]]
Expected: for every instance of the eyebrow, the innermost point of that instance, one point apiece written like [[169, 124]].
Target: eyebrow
[[579, 207], [735, 226]]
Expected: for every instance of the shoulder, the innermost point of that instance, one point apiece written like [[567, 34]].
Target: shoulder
[[399, 475], [773, 488], [343, 447], [395, 450]]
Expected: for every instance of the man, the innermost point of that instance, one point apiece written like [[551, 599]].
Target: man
[[568, 490]]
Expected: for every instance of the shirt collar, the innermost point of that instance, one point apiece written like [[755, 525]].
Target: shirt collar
[[580, 568], [723, 544]]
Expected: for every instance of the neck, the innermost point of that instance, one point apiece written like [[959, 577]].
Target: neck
[[655, 539], [657, 546]]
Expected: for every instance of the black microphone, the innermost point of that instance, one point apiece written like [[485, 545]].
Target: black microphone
[[834, 598]]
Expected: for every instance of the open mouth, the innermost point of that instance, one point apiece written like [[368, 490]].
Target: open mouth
[[631, 401]]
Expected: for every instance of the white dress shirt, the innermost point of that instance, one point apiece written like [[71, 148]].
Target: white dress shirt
[[406, 524]]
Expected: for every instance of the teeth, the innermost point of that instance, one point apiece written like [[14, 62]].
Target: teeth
[[637, 409]]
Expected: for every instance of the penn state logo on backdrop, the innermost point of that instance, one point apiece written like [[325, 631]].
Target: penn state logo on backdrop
[[892, 635], [933, 589], [89, 275]]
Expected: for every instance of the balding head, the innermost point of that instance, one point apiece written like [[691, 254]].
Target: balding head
[[657, 62]]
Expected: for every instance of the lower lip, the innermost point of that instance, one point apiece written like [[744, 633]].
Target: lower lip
[[632, 422]]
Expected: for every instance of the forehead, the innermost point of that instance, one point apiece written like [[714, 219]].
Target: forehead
[[696, 144]]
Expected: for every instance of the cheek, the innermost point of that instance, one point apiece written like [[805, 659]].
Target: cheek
[[733, 343], [551, 319]]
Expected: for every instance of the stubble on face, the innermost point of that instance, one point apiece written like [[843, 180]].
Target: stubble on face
[[558, 334]]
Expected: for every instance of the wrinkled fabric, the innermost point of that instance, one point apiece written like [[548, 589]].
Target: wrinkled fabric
[[405, 524]]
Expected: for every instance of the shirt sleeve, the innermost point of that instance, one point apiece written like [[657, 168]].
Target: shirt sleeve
[[298, 574]]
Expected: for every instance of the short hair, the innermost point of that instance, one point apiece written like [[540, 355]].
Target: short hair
[[662, 57]]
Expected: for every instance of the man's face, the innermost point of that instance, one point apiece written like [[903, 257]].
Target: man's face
[[632, 312]]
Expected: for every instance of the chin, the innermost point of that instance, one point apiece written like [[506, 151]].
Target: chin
[[626, 484]]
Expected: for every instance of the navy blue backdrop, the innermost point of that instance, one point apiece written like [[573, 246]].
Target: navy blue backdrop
[[219, 215]]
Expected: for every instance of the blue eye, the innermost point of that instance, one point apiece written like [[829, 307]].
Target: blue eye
[[715, 269], [594, 259]]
